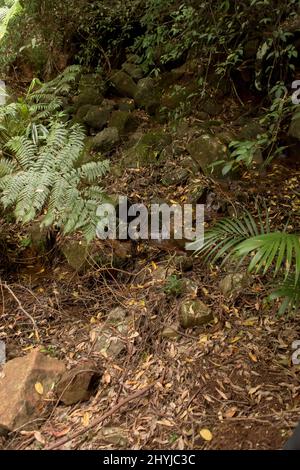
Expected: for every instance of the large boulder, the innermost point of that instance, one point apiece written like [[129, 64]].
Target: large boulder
[[148, 95], [25, 383], [124, 84], [206, 150], [106, 140]]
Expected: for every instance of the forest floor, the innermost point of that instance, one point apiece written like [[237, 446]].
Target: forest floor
[[234, 377]]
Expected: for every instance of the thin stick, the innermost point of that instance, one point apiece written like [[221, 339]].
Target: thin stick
[[22, 309], [98, 421]]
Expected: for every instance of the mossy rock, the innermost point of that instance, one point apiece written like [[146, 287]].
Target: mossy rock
[[206, 150], [135, 71], [124, 84], [82, 112], [148, 95], [97, 117], [92, 81], [148, 150], [294, 129], [124, 121], [175, 96], [211, 107], [194, 313], [88, 96], [76, 254], [106, 140]]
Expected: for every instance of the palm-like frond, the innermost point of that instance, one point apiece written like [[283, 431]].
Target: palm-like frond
[[223, 239], [289, 290], [244, 237], [278, 250]]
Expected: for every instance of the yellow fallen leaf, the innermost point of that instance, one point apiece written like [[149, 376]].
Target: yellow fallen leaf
[[86, 419], [235, 340], [39, 388], [206, 435], [253, 357]]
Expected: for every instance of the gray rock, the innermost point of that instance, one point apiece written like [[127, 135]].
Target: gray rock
[[147, 95], [234, 283], [106, 140], [114, 435], [110, 338], [171, 332], [194, 313], [124, 84]]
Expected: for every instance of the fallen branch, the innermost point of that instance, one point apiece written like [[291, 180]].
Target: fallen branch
[[21, 308], [98, 421]]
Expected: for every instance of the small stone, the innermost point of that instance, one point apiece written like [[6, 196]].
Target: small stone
[[234, 283], [170, 332], [24, 385], [194, 313], [78, 384], [114, 435], [110, 338]]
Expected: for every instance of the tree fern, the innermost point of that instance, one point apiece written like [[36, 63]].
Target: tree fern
[[48, 179], [7, 13]]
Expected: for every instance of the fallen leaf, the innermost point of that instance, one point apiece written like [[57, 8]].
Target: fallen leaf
[[39, 437], [39, 388], [206, 435], [86, 419]]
